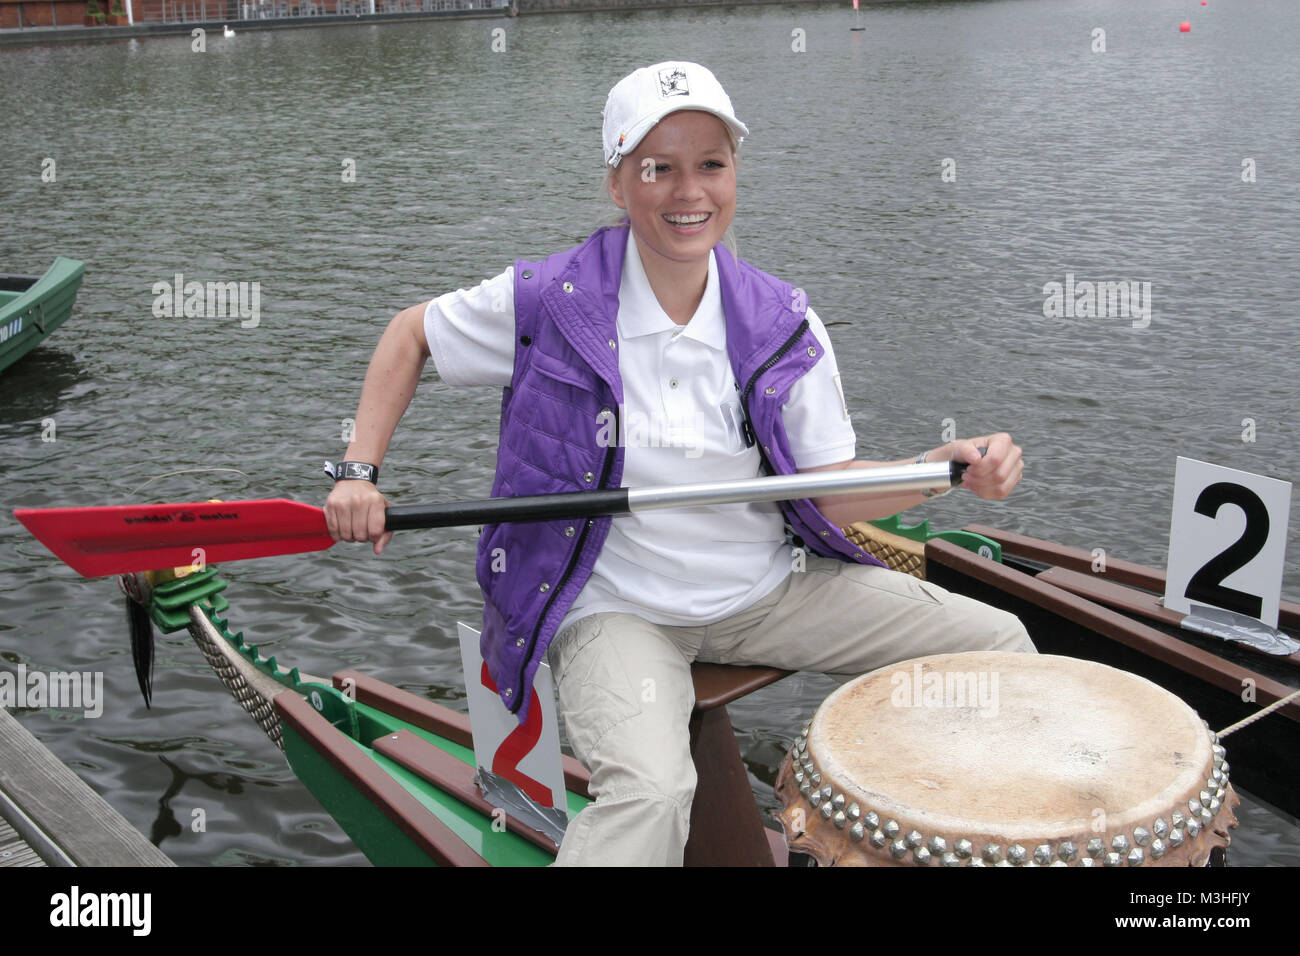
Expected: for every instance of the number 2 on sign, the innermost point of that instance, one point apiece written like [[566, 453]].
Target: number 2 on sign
[[1206, 585], [516, 746]]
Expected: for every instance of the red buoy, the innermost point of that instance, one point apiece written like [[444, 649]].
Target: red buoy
[[1184, 27]]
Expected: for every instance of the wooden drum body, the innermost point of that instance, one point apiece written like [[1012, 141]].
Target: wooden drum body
[[1004, 759]]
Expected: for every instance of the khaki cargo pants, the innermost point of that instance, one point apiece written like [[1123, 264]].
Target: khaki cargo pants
[[626, 694]]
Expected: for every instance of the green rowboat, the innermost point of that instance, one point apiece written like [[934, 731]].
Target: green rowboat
[[31, 307]]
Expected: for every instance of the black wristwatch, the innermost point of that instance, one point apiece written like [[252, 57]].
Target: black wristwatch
[[353, 470]]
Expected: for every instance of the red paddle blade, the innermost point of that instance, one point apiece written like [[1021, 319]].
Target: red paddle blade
[[124, 538]]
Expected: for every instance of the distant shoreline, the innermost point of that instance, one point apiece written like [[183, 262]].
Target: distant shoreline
[[25, 36]]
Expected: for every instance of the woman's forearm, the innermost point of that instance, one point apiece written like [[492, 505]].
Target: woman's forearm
[[390, 384]]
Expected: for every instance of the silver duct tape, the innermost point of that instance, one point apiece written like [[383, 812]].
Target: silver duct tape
[[501, 793], [1231, 626]]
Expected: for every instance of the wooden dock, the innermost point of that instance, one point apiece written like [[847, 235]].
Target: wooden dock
[[50, 817]]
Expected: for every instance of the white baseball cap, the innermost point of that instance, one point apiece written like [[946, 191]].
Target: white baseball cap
[[642, 98]]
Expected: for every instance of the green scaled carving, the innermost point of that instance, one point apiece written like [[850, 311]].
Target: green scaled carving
[[170, 603], [984, 547]]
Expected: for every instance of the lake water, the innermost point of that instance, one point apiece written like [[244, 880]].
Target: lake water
[[1124, 165]]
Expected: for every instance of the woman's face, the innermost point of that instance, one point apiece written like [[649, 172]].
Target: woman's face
[[679, 187]]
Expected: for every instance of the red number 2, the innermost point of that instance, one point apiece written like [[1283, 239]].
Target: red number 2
[[505, 762]]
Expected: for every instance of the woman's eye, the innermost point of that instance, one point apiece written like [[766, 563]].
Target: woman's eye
[[661, 168]]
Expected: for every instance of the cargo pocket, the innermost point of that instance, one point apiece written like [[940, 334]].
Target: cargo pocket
[[595, 693]]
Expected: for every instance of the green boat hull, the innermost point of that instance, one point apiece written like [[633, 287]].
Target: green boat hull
[[33, 308]]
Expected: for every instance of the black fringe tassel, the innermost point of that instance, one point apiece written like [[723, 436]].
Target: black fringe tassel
[[141, 626]]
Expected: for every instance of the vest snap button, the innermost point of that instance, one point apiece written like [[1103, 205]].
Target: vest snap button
[[544, 588], [520, 642], [588, 477], [508, 692], [826, 534], [567, 287], [770, 390], [812, 351], [528, 273], [568, 532], [613, 344]]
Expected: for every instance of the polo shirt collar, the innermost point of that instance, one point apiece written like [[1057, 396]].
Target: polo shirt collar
[[639, 312]]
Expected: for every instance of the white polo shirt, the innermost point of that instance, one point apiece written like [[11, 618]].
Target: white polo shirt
[[680, 422]]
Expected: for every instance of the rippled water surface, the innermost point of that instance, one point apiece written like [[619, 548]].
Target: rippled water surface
[[226, 165]]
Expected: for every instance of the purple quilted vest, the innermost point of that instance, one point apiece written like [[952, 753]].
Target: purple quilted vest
[[566, 382]]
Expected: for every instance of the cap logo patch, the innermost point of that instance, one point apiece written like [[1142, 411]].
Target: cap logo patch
[[672, 82]]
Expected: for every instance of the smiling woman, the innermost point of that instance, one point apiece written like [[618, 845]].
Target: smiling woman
[[654, 322]]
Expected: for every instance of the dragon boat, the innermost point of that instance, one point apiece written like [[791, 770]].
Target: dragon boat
[[397, 771]]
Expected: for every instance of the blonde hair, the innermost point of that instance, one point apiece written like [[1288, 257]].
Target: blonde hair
[[614, 216]]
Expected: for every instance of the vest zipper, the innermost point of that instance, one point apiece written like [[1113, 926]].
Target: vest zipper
[[749, 387], [568, 571]]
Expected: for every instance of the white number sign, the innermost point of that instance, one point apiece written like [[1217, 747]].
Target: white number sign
[[1227, 540]]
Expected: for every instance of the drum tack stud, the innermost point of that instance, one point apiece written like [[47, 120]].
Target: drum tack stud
[[963, 848], [1194, 806], [1193, 829], [1175, 838], [891, 828], [854, 811], [977, 862], [1114, 859], [1157, 848], [798, 776], [950, 859], [1043, 854], [1067, 851], [938, 845], [1160, 829], [839, 819], [805, 787], [1087, 861], [826, 792], [1136, 856], [1017, 854], [898, 849], [1096, 847], [921, 855], [1141, 836], [857, 832], [1177, 819], [914, 839], [992, 853], [1120, 844], [838, 801], [878, 839], [1205, 798], [817, 778], [815, 798], [827, 811]]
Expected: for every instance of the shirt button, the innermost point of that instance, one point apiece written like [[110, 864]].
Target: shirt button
[[672, 383], [771, 390], [528, 273], [568, 532], [544, 588], [588, 476], [812, 352], [567, 287]]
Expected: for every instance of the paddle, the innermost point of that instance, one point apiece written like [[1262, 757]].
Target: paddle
[[123, 538]]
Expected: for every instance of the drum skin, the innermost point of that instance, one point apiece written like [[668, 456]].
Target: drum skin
[[990, 758]]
